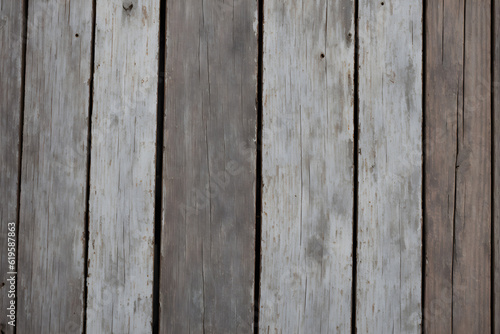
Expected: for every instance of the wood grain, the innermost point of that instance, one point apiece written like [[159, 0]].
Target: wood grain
[[54, 167], [496, 165], [458, 167], [122, 175], [389, 254], [209, 168], [307, 172], [11, 55]]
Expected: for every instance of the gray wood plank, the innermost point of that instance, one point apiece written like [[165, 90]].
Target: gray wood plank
[[122, 172], [11, 53], [389, 254], [307, 172], [54, 167], [209, 168]]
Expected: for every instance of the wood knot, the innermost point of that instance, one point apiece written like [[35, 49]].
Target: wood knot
[[128, 6]]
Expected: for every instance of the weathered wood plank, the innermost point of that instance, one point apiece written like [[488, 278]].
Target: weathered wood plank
[[122, 175], [208, 224], [496, 165], [443, 99], [54, 167], [458, 167], [389, 256], [11, 40], [307, 171]]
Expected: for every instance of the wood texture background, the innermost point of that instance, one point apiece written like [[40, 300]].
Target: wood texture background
[[11, 77], [122, 172], [54, 167], [458, 167], [208, 221], [378, 159], [389, 253], [307, 172]]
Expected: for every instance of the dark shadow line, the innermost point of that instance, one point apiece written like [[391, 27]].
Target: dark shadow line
[[159, 166], [24, 43], [355, 169], [258, 178], [87, 192], [424, 156]]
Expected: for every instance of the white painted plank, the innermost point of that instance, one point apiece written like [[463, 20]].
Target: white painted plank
[[11, 33], [307, 196], [122, 176], [389, 260], [54, 167]]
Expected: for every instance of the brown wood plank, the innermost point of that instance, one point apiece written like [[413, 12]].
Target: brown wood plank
[[208, 226], [11, 52], [54, 167], [458, 167]]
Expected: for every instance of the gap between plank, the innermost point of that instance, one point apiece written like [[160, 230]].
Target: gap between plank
[[159, 166], [424, 78], [355, 169], [492, 124], [24, 42], [87, 192], [258, 177]]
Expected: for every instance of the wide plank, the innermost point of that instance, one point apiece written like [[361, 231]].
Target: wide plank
[[54, 167], [458, 167], [307, 167], [389, 250], [209, 168], [122, 172], [11, 75]]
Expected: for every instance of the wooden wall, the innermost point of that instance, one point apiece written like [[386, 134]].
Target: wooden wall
[[263, 166]]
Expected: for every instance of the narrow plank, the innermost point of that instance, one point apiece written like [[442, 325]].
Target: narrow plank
[[472, 249], [11, 39], [389, 250], [54, 167], [122, 173], [307, 171], [443, 100], [496, 165], [458, 167], [208, 221]]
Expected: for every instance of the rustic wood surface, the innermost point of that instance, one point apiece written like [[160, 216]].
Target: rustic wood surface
[[307, 172], [122, 172], [458, 167], [209, 169], [326, 65], [11, 55], [54, 167], [389, 253]]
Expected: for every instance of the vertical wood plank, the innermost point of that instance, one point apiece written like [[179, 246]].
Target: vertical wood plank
[[496, 165], [472, 247], [122, 175], [307, 171], [208, 224], [390, 167], [458, 167], [54, 167], [443, 100], [11, 53]]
